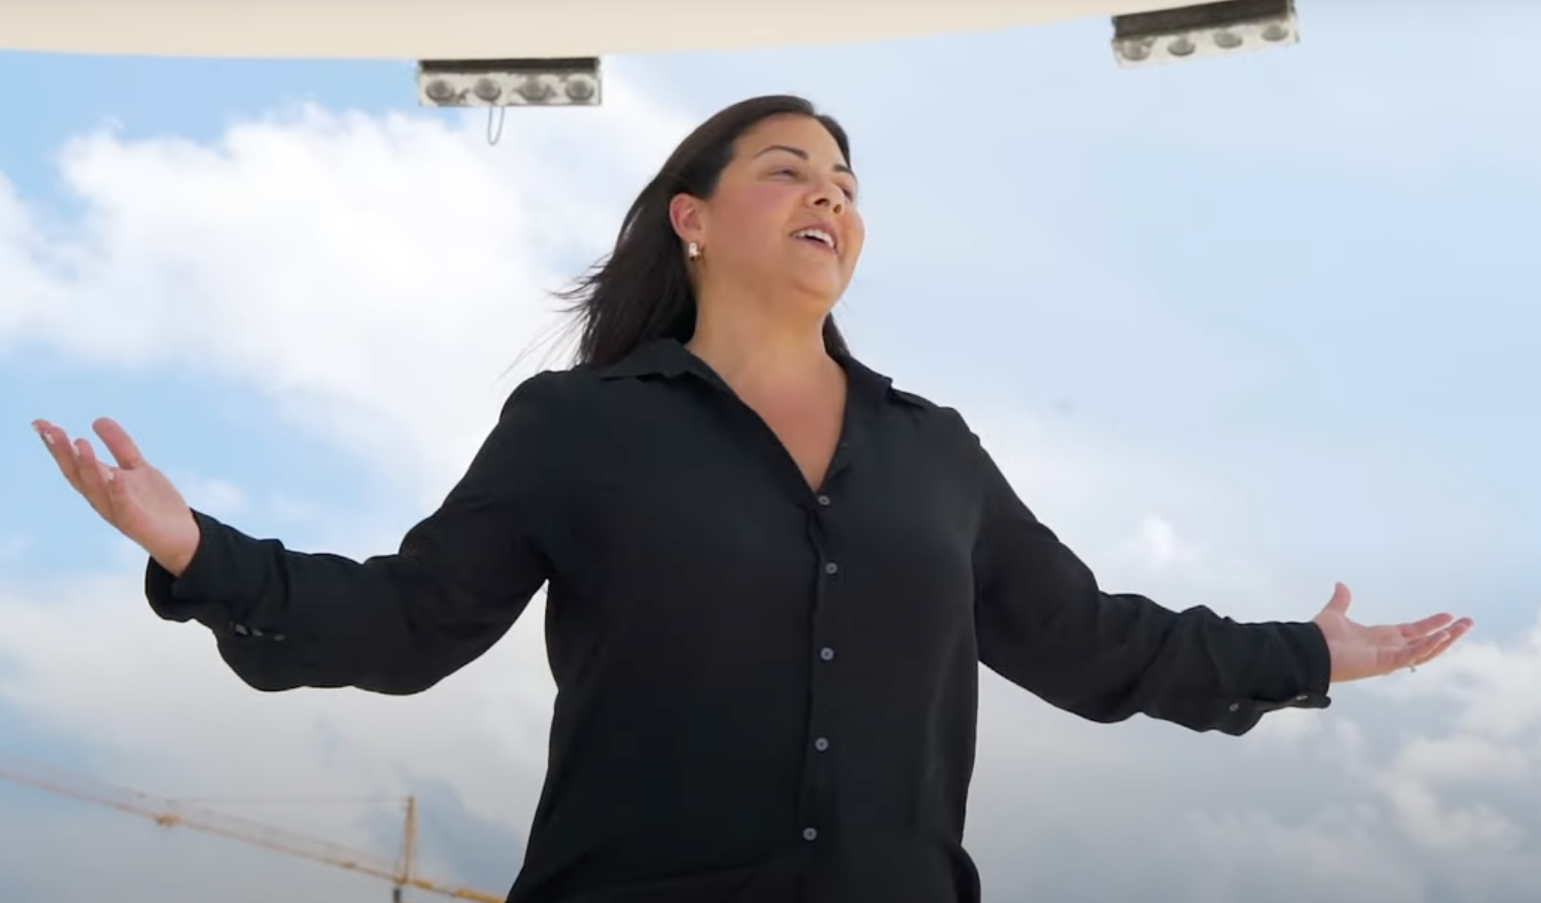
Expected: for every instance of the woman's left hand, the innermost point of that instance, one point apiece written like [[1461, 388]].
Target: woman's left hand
[[1359, 652]]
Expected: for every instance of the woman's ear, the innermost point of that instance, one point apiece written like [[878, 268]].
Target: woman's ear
[[686, 216]]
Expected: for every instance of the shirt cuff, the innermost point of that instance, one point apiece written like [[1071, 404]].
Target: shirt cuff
[[193, 596], [1315, 656], [1303, 679]]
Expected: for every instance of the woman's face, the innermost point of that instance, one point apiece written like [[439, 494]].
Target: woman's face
[[784, 214]]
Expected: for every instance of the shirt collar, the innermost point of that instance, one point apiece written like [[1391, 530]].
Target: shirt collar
[[668, 358]]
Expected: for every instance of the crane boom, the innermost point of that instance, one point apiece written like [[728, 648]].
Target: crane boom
[[171, 814]]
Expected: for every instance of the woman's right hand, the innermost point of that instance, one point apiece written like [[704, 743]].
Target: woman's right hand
[[134, 497]]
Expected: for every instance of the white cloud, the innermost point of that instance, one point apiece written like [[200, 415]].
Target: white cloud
[[1494, 685], [375, 277], [161, 713]]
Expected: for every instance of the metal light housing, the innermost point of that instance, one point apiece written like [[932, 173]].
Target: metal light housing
[[509, 83], [1208, 29]]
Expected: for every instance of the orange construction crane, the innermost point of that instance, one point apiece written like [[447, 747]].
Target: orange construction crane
[[170, 814]]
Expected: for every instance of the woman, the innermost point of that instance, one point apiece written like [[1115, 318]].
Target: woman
[[771, 575]]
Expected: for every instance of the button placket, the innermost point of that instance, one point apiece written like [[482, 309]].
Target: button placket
[[819, 775]]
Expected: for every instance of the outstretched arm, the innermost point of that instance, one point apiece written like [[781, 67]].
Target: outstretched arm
[[396, 623], [1044, 624]]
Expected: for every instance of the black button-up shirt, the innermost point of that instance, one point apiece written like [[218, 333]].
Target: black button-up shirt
[[765, 693]]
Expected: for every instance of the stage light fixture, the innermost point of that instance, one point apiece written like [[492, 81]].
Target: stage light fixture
[[509, 83], [1208, 29]]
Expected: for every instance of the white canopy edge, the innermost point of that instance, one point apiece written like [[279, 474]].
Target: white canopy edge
[[503, 29]]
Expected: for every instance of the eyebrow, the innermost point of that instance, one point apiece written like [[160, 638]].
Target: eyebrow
[[802, 154]]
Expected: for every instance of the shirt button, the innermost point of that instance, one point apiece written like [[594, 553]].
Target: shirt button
[[810, 834], [1235, 706], [831, 568], [827, 654], [821, 744], [824, 501]]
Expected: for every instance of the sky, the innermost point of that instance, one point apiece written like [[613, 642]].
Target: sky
[[1236, 329]]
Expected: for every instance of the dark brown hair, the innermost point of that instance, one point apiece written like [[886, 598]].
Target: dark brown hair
[[641, 291]]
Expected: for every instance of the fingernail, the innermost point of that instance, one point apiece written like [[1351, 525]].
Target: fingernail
[[47, 439]]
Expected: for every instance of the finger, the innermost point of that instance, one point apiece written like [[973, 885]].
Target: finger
[[117, 440], [1412, 654], [58, 443], [1424, 627], [1437, 646], [1340, 599], [94, 476], [1434, 651], [1447, 639], [1432, 646]]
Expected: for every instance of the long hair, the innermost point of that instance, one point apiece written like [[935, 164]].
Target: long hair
[[641, 291]]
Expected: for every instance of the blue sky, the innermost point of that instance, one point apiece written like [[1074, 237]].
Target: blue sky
[[1237, 329], [194, 100]]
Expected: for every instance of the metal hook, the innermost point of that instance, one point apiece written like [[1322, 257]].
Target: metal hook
[[495, 114]]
